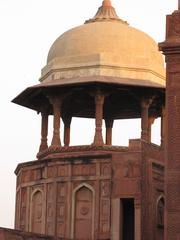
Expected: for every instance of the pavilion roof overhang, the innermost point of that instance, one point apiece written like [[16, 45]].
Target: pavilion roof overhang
[[32, 97]]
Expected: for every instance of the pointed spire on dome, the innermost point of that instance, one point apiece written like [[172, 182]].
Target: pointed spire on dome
[[106, 3], [106, 13]]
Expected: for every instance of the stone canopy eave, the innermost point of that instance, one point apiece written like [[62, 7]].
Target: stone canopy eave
[[32, 96]]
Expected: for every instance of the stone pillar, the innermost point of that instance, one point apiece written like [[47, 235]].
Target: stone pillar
[[67, 124], [56, 102], [171, 50], [116, 219], [99, 102], [150, 123], [44, 131], [144, 119], [163, 129], [137, 213], [109, 125]]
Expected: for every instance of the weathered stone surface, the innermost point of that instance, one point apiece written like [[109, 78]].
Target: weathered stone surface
[[11, 234]]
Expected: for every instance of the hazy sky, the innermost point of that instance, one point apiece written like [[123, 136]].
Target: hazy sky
[[28, 28]]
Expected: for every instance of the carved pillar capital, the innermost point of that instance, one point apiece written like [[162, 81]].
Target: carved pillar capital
[[56, 101], [146, 102]]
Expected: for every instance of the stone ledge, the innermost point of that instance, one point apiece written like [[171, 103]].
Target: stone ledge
[[11, 234]]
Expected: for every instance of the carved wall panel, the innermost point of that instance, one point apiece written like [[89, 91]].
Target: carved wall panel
[[52, 171], [105, 194], [105, 189], [62, 170], [66, 200], [83, 222], [106, 169], [84, 170], [17, 217], [61, 212], [37, 212], [50, 209], [31, 175], [23, 208], [25, 176]]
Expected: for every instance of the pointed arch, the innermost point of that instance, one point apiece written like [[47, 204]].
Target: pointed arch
[[36, 211], [160, 208], [83, 206]]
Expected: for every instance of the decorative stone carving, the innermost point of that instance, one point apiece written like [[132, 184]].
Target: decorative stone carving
[[128, 169], [52, 171], [92, 170], [25, 176], [84, 170], [84, 210], [105, 188], [105, 208], [37, 212], [61, 211], [23, 208], [160, 213], [61, 191], [104, 227], [105, 169], [83, 220], [62, 171]]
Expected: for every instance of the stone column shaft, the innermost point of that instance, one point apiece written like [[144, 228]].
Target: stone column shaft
[[109, 126], [144, 120], [44, 131], [56, 102], [150, 123], [67, 128], [99, 101]]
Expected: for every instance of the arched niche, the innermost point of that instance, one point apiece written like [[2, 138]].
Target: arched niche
[[160, 212], [36, 211], [83, 208]]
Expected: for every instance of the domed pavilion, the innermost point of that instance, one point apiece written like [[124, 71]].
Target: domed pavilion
[[103, 70]]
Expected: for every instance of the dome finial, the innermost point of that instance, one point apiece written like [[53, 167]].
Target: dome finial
[[106, 13], [106, 3]]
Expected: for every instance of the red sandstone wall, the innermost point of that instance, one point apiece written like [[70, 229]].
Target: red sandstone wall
[[57, 191], [152, 189], [10, 234]]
